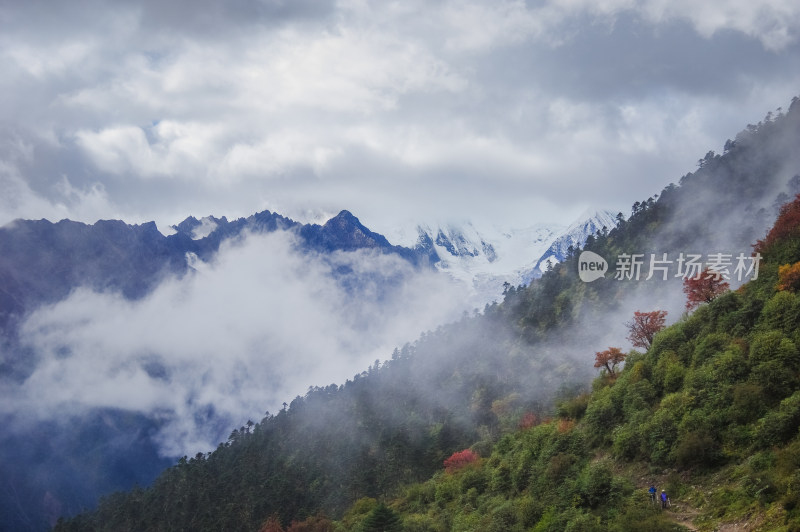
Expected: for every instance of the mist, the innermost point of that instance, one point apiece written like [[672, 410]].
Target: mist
[[241, 334]]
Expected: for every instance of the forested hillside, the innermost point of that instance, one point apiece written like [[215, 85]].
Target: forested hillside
[[709, 413], [715, 390]]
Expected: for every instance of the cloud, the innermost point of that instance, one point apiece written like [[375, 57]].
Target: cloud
[[241, 335], [475, 107]]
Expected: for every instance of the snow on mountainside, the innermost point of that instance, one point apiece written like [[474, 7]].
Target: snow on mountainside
[[486, 259], [588, 223]]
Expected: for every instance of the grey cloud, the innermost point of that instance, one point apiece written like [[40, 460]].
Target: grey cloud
[[164, 110], [245, 333]]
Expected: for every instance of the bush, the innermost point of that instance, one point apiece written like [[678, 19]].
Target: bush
[[669, 372], [669, 339], [774, 345], [627, 441], [603, 414], [748, 403], [697, 449], [708, 347], [595, 484], [732, 365], [638, 397], [560, 465], [575, 407], [781, 425], [775, 379], [501, 478], [529, 510]]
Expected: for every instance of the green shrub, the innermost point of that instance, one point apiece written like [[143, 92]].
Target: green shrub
[[581, 521], [732, 365], [709, 346], [421, 523], [781, 425], [697, 449], [602, 414], [560, 465], [669, 339], [473, 477], [501, 478], [776, 380], [504, 517], [638, 397], [575, 407], [781, 312], [595, 484], [627, 441], [529, 510], [669, 372]]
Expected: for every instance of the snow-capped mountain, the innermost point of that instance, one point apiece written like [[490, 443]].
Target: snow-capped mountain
[[588, 223], [485, 259]]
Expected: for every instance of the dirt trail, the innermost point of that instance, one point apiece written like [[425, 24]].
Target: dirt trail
[[682, 515]]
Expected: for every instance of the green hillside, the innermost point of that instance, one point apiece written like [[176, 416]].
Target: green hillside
[[710, 411]]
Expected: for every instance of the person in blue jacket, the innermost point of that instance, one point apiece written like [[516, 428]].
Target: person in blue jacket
[[664, 499]]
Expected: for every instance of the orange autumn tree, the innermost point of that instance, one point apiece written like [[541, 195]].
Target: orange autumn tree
[[703, 288], [789, 277], [644, 326], [609, 359]]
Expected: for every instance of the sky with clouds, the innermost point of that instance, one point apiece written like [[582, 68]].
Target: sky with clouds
[[507, 112]]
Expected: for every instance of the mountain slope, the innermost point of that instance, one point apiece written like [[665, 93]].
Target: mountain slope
[[478, 379], [709, 414]]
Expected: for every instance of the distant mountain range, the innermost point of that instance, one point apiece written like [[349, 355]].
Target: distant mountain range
[[42, 262], [486, 259]]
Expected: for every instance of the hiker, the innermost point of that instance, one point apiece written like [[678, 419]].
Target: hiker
[[652, 492], [664, 499]]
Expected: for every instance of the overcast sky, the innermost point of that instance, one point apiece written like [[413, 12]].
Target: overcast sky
[[505, 112]]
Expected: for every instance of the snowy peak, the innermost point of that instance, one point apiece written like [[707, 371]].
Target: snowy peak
[[457, 241], [484, 259], [588, 223], [591, 221]]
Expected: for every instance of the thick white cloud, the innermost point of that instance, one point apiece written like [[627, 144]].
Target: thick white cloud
[[393, 111], [252, 329]]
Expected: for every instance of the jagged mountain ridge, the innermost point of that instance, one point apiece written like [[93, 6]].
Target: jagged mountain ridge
[[574, 236], [42, 262], [486, 259]]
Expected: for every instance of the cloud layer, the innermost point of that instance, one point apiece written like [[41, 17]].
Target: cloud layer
[[508, 111], [241, 335]]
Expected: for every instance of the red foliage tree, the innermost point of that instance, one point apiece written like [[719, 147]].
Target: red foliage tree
[[786, 226], [703, 288], [609, 359], [460, 459], [644, 326]]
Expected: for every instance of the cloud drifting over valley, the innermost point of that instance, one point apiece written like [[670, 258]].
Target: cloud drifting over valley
[[242, 334], [511, 111]]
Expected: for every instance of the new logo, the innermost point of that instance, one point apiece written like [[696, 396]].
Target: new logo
[[591, 266]]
